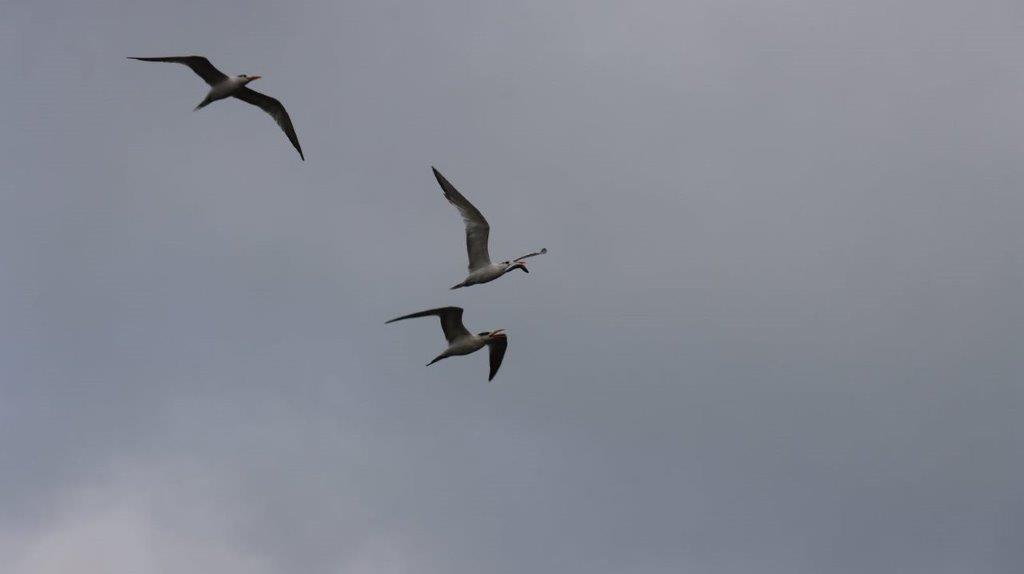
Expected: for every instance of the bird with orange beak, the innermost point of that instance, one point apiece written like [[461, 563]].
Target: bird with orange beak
[[223, 86], [460, 340], [481, 270]]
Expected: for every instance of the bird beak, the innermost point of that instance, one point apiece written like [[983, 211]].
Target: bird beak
[[254, 78], [497, 332]]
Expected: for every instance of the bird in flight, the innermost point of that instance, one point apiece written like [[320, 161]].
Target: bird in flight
[[224, 86], [460, 340], [481, 270]]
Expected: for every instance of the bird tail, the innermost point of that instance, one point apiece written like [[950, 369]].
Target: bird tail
[[437, 358], [206, 101]]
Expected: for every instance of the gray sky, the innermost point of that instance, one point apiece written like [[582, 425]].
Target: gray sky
[[779, 329]]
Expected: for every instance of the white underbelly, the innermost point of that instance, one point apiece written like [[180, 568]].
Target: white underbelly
[[466, 346], [489, 273], [224, 89]]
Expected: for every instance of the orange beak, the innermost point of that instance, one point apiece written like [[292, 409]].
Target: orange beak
[[254, 78]]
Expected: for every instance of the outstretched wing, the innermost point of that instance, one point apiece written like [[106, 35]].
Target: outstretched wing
[[497, 348], [534, 254], [200, 65], [451, 321], [477, 229], [276, 110]]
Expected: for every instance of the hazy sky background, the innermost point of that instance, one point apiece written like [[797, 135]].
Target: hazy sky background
[[779, 328]]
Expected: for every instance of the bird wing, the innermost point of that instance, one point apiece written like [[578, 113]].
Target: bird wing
[[534, 254], [276, 110], [200, 65], [497, 348], [451, 321], [477, 229]]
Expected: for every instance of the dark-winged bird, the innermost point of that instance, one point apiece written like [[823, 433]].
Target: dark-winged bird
[[224, 86], [460, 340]]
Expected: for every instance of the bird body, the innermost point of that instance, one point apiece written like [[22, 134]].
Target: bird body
[[228, 86], [488, 273], [466, 345], [481, 270], [223, 86], [224, 89], [460, 340]]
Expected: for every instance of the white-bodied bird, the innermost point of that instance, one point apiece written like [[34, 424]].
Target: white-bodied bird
[[460, 340], [481, 270], [224, 86]]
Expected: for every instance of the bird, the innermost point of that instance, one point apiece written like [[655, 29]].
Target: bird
[[481, 270], [224, 86], [460, 340]]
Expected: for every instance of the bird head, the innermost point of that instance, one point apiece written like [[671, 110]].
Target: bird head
[[494, 335]]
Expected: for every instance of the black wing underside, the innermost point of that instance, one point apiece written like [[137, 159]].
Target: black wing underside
[[200, 65], [497, 354], [276, 110], [451, 321]]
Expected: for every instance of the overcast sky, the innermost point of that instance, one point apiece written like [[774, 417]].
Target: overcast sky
[[779, 328]]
